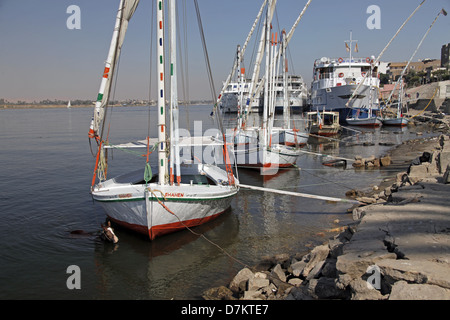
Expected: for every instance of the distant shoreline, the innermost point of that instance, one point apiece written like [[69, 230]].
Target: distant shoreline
[[59, 106], [39, 106]]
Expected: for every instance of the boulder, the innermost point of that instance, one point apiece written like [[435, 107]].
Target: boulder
[[253, 295], [416, 271], [402, 290], [385, 161], [418, 172], [316, 271], [318, 254], [295, 281], [361, 291], [354, 263], [257, 283], [297, 268], [278, 272], [240, 280], [367, 200]]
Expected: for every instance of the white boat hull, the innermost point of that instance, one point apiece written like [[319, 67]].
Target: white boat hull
[[395, 122], [276, 157], [155, 210], [365, 122], [292, 137]]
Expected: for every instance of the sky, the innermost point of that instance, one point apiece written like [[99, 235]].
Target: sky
[[41, 58]]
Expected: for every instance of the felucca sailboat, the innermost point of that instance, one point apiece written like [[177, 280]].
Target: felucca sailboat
[[182, 193], [265, 146]]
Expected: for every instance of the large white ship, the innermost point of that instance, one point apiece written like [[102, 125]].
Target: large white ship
[[297, 91], [236, 94], [335, 81]]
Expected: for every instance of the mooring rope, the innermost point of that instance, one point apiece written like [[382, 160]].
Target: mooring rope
[[199, 234], [216, 245]]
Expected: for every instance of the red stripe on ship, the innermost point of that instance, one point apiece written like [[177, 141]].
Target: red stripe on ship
[[161, 230]]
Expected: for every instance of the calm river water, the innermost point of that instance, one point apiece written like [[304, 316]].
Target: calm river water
[[46, 167]]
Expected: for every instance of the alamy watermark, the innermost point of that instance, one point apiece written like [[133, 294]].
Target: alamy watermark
[[374, 280], [74, 280], [374, 20], [74, 20]]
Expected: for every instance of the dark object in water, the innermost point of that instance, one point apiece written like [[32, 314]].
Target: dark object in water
[[108, 233], [336, 163], [81, 232]]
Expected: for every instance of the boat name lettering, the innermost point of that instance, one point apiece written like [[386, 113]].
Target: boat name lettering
[[174, 194], [125, 195]]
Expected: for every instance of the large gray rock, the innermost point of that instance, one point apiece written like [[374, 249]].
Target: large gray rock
[[253, 295], [257, 283], [318, 254], [297, 268], [416, 271], [241, 278], [362, 291], [402, 290], [418, 173], [278, 272]]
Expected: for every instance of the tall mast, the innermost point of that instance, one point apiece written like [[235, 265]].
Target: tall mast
[[103, 93], [241, 54], [286, 111], [267, 30], [174, 111], [124, 14], [162, 155]]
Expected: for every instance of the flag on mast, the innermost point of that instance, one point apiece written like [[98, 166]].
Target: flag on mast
[[356, 47]]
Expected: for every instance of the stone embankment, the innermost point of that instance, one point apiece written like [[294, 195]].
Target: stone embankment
[[398, 248]]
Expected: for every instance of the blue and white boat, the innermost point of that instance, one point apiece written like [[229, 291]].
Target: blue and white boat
[[336, 79]]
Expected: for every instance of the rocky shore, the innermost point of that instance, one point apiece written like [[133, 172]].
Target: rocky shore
[[397, 248]]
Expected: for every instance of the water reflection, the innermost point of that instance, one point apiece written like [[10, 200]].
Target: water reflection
[[163, 266]]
